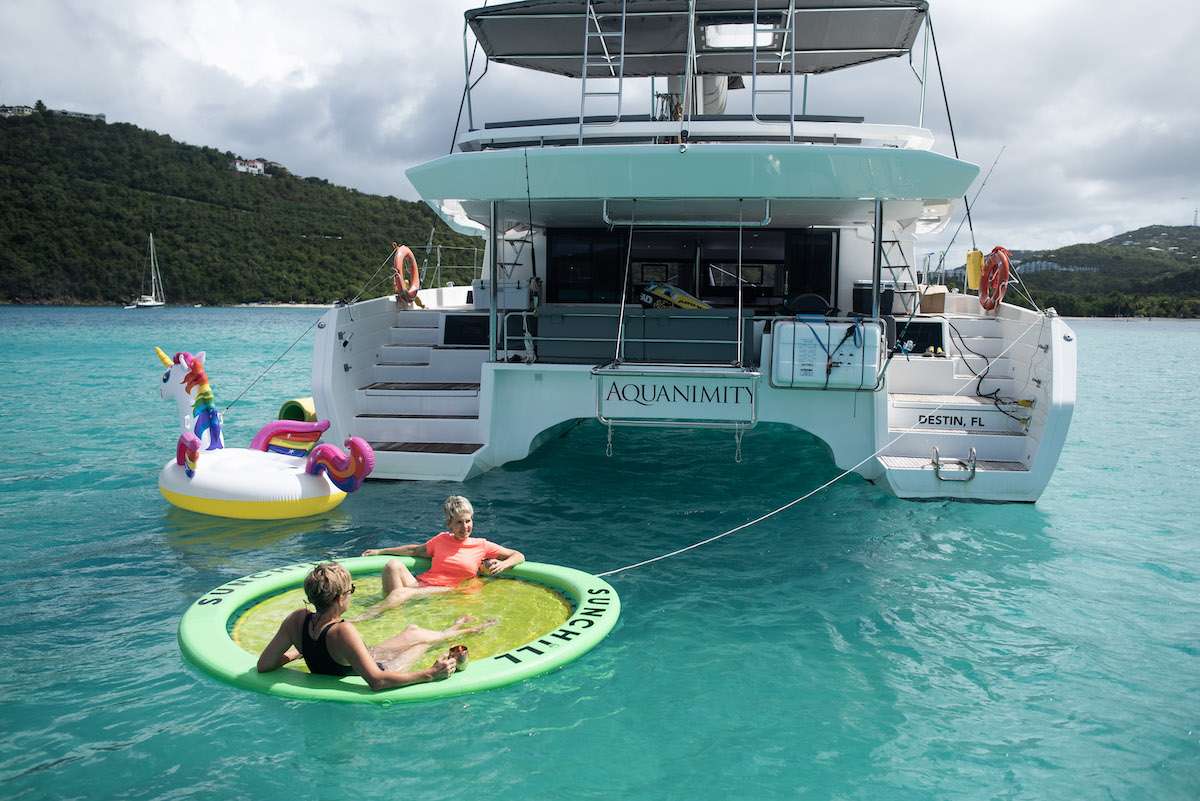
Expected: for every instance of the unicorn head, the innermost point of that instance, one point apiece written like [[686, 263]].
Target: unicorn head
[[186, 382]]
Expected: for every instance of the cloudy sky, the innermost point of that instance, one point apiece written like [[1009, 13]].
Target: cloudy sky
[[1095, 102]]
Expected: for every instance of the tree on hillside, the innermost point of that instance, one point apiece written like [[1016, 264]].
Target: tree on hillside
[[77, 202]]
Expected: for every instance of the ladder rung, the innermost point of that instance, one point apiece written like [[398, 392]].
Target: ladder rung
[[601, 94], [598, 34], [772, 91]]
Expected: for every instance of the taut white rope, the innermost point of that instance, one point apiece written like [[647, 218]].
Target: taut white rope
[[827, 484]]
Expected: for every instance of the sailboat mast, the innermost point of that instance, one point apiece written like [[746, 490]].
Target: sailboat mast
[[156, 288]]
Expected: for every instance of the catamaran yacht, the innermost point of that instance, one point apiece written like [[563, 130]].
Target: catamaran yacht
[[660, 260]]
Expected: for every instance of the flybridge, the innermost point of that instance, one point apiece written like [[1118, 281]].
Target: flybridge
[[703, 48]]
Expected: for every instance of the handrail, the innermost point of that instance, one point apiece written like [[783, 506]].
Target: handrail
[[739, 13], [566, 131], [689, 64], [967, 466], [757, 318], [740, 338]]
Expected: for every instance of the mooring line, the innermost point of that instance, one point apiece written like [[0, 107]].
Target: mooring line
[[302, 336], [829, 483]]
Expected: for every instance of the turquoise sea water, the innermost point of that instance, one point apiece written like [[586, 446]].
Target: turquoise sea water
[[854, 647]]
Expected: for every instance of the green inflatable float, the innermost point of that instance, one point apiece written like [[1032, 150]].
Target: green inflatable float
[[589, 608]]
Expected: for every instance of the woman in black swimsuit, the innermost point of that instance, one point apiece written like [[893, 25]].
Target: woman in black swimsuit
[[331, 646]]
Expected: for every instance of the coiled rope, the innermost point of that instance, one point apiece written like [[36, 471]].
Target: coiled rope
[[813, 492]]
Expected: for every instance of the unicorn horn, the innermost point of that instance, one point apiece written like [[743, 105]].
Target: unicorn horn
[[162, 357]]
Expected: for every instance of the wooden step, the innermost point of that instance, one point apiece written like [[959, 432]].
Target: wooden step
[[423, 386], [417, 318], [955, 443], [921, 463], [422, 416], [427, 447], [963, 401], [435, 403]]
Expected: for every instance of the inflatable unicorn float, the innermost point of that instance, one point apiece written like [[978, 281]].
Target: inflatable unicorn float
[[284, 473]]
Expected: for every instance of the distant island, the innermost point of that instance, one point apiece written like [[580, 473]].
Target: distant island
[[78, 197]]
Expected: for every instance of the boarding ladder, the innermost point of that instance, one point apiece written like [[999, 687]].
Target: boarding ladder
[[610, 64], [516, 255], [776, 60], [896, 263]]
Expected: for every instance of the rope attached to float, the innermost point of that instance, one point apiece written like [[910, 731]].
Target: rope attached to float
[[303, 335], [811, 493]]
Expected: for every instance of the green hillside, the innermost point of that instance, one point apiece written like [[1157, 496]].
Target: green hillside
[[79, 197], [1149, 272]]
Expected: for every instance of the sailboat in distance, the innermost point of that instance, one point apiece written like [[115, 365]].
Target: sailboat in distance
[[156, 297]]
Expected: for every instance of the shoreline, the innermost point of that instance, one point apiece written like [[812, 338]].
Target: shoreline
[[332, 304], [272, 306]]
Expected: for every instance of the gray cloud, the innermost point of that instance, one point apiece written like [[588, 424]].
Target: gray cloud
[[1094, 102]]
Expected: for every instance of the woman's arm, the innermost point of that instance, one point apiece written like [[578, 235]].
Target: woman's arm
[[350, 645], [399, 550], [508, 558], [282, 647]]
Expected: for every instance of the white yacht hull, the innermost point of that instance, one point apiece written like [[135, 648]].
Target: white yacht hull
[[440, 412]]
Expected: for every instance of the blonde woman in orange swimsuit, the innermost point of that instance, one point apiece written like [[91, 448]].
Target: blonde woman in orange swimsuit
[[456, 557]]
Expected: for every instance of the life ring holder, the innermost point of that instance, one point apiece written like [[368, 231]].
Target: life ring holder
[[204, 636], [406, 288], [996, 269]]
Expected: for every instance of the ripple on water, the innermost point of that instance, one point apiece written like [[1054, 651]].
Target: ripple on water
[[854, 647]]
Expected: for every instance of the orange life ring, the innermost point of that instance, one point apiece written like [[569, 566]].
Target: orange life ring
[[995, 278], [405, 289]]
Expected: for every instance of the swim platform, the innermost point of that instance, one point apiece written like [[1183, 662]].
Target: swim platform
[[206, 634]]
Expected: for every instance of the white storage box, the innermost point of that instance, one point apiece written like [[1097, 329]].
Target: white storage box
[[815, 354], [514, 295]]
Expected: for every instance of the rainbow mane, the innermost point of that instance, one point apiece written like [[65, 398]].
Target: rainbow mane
[[347, 472], [208, 419]]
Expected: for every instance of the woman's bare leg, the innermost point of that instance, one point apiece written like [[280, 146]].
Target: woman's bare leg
[[402, 659], [396, 575], [414, 635], [399, 586], [406, 648]]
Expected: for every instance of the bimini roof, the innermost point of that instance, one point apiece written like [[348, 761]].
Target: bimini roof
[[548, 35]]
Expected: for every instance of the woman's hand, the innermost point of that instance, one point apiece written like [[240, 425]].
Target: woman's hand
[[371, 552], [494, 567], [443, 667]]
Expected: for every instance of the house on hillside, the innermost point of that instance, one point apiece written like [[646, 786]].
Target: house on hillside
[[251, 166], [1045, 265], [79, 115], [16, 111]]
